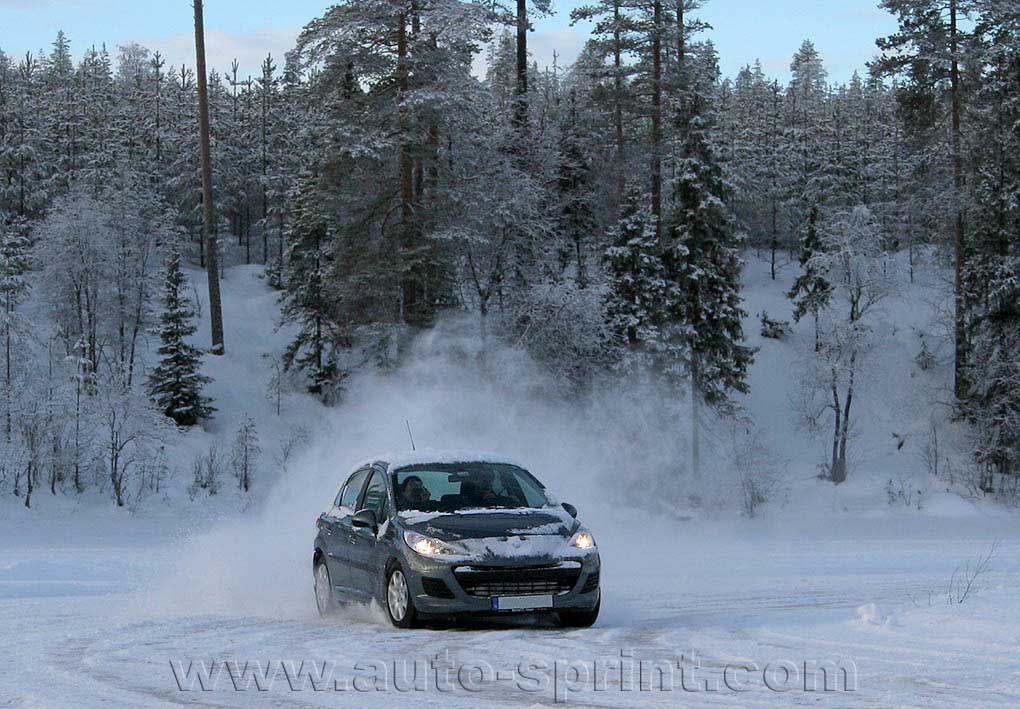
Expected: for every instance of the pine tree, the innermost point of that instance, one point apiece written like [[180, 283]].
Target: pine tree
[[14, 264], [993, 266], [98, 149], [308, 300], [929, 44], [176, 384], [575, 193], [806, 158], [636, 282], [615, 35], [703, 270], [703, 312], [811, 291]]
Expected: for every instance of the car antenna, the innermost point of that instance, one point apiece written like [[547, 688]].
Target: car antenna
[[408, 424]]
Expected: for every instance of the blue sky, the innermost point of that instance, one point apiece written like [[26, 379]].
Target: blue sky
[[843, 30]]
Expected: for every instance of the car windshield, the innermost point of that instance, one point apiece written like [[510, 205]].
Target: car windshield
[[449, 487]]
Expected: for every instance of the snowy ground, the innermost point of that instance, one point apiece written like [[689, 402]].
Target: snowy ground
[[90, 623], [98, 606]]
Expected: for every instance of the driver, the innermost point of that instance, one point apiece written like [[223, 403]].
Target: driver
[[413, 492], [483, 487]]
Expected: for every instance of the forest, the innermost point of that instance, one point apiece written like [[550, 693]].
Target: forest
[[595, 216]]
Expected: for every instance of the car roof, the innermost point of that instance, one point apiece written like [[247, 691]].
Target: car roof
[[402, 459]]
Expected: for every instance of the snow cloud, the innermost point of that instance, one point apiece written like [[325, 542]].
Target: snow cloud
[[596, 452]]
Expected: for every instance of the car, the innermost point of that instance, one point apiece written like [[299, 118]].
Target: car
[[447, 534]]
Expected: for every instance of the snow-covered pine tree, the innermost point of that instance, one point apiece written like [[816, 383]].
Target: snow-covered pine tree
[[15, 250], [929, 49], [806, 142], [97, 154], [993, 402], [993, 266], [811, 291], [575, 194], [636, 282], [176, 383], [60, 119], [614, 35], [703, 332], [752, 162], [25, 153], [308, 299], [268, 95]]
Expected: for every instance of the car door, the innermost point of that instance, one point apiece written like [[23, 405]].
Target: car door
[[367, 549], [339, 529]]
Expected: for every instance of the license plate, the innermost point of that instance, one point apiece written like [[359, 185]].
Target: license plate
[[521, 603]]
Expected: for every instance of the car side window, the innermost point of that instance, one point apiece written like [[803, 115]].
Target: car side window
[[351, 491], [375, 496]]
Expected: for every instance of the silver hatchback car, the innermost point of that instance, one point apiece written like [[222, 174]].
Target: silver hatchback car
[[444, 534]]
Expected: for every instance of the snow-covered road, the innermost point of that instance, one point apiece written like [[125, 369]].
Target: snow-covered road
[[726, 621]]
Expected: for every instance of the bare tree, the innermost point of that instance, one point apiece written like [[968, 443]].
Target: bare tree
[[853, 261], [244, 455]]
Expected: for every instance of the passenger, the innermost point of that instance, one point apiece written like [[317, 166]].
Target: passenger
[[413, 493]]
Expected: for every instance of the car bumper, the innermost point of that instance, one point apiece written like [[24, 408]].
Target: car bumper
[[450, 597]]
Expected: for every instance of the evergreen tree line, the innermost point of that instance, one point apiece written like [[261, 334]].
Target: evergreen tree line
[[593, 214]]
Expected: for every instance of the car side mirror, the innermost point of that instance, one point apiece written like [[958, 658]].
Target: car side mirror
[[571, 510], [364, 519]]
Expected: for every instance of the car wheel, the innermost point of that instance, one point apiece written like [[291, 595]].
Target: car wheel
[[325, 598], [580, 618], [399, 603]]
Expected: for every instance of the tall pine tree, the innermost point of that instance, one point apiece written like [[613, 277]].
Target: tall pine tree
[[14, 264], [703, 310], [308, 301]]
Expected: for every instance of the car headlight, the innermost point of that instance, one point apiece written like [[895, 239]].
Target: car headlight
[[427, 546], [583, 540]]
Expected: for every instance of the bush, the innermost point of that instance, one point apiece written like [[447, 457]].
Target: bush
[[774, 329]]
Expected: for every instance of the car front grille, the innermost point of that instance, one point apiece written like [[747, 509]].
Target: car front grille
[[436, 587], [486, 582]]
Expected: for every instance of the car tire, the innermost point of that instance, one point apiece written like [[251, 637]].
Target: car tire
[[580, 618], [397, 598], [325, 596]]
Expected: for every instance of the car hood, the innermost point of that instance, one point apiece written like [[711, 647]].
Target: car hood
[[487, 523]]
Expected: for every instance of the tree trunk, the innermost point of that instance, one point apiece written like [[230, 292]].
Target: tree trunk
[[418, 162], [8, 378], [656, 137], [30, 482], [208, 227], [409, 305], [960, 304], [621, 177], [840, 472], [695, 417], [116, 474], [835, 474], [77, 435], [681, 52], [520, 115]]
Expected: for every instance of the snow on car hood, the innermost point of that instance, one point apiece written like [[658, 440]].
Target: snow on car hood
[[492, 534], [483, 523]]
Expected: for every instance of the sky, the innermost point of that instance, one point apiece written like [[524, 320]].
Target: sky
[[844, 31]]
